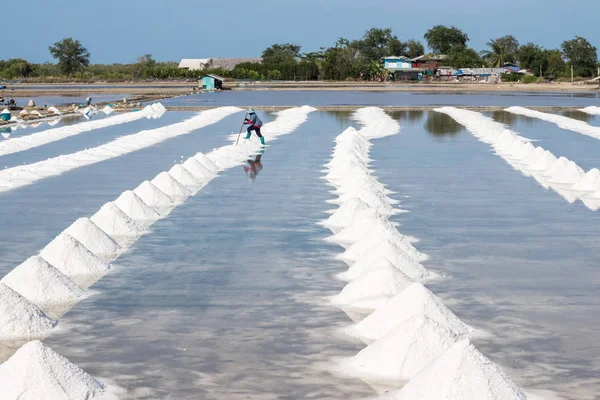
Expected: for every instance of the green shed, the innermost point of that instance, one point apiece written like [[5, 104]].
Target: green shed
[[212, 82]]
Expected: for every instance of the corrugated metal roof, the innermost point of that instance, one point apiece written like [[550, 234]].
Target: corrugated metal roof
[[194, 63], [397, 58], [230, 63], [217, 77]]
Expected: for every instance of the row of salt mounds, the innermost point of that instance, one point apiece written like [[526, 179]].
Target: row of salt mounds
[[122, 219], [22, 175], [410, 328], [36, 372], [563, 122], [560, 174], [53, 135]]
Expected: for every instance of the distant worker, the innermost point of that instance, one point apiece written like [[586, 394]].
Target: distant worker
[[255, 125], [89, 101]]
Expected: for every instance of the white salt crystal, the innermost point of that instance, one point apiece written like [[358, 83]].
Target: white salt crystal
[[154, 197], [402, 353], [461, 373], [207, 162], [74, 260], [171, 187], [197, 169], [588, 183], [42, 284], [20, 318], [186, 178], [373, 288], [415, 300], [36, 372], [94, 238], [135, 208]]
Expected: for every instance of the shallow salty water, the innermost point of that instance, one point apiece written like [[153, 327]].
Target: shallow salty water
[[225, 298], [342, 98]]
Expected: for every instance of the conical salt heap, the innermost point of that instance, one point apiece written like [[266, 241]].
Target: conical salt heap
[[373, 288], [20, 318], [589, 183], [186, 178], [345, 215], [461, 373], [94, 238], [397, 256], [118, 225], [405, 351], [198, 170], [361, 268], [42, 284], [135, 208], [415, 300], [154, 197], [73, 259], [171, 187], [36, 372], [364, 220], [555, 168], [569, 175], [207, 162]]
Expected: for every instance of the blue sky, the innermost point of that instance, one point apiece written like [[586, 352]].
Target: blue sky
[[119, 31]]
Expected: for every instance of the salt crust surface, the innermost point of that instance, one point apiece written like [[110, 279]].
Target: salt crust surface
[[118, 225], [136, 209], [154, 197], [36, 372], [171, 186]]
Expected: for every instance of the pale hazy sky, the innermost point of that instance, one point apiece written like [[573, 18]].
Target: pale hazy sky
[[119, 31]]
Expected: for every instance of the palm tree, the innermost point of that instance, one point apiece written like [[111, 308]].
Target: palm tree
[[502, 50]]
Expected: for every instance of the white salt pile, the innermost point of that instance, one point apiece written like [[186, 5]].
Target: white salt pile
[[364, 220], [197, 169], [206, 162], [396, 256], [376, 123], [563, 122], [20, 318], [542, 163], [36, 372], [415, 300], [108, 110], [569, 175], [345, 215], [171, 187], [135, 208], [118, 225], [461, 373], [406, 350], [94, 239], [373, 288], [154, 197], [594, 110], [186, 178], [588, 183], [42, 284], [556, 168], [74, 260], [360, 268]]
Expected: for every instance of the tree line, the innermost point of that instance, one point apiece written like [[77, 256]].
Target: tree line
[[346, 59]]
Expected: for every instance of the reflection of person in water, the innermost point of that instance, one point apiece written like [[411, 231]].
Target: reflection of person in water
[[253, 167]]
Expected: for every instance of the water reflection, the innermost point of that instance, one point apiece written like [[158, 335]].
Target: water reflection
[[253, 167], [344, 118], [578, 115], [505, 118], [439, 124], [5, 132], [412, 115]]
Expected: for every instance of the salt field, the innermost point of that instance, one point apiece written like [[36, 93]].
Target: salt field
[[433, 254]]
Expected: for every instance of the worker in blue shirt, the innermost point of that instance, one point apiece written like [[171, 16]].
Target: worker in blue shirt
[[255, 125]]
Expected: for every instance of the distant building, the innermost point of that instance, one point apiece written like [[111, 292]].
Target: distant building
[[395, 63], [429, 61], [195, 64], [211, 82], [512, 67]]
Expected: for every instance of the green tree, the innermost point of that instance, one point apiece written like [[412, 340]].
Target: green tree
[[555, 65], [581, 55], [464, 58], [414, 49], [442, 39], [15, 68], [281, 53], [378, 43], [341, 61], [144, 66], [71, 55], [531, 56], [501, 51]]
